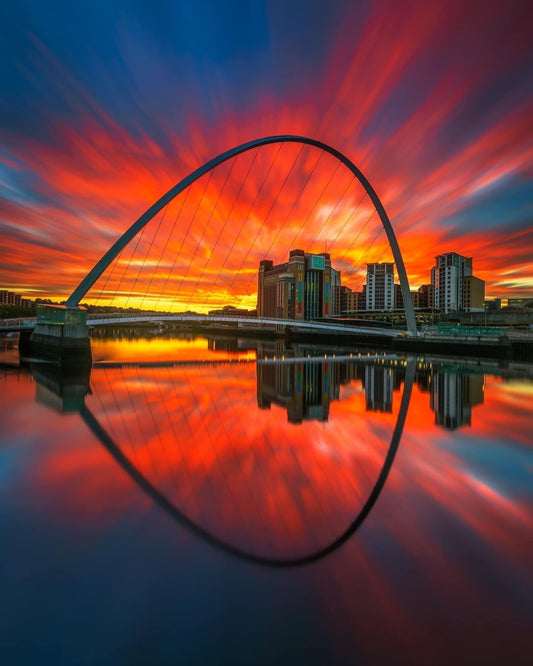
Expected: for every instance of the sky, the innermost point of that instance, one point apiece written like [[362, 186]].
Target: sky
[[104, 106]]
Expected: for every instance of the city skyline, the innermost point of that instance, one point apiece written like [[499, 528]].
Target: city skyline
[[336, 299], [433, 103]]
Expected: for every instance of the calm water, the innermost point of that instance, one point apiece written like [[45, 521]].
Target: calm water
[[185, 503]]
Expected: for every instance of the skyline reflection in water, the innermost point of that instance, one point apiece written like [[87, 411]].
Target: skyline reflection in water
[[278, 460]]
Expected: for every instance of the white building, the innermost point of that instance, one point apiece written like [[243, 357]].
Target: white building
[[380, 286], [448, 279]]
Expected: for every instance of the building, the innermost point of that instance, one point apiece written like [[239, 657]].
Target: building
[[355, 300], [232, 311], [519, 302], [426, 297], [341, 303], [493, 305], [454, 291], [423, 298], [305, 287], [380, 286], [398, 297], [473, 294], [10, 298]]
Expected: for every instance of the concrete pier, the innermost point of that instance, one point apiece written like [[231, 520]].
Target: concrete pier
[[61, 334]]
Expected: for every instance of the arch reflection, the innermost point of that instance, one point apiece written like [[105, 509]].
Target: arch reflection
[[249, 480]]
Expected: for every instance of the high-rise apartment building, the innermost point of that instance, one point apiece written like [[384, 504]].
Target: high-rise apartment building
[[456, 289], [305, 287], [10, 298], [380, 286]]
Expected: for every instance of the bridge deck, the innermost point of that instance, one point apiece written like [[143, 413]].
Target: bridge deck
[[28, 323]]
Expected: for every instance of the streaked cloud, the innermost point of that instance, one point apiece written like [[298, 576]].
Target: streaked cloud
[[432, 102]]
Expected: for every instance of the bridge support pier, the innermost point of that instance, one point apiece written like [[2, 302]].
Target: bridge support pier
[[61, 335], [25, 346]]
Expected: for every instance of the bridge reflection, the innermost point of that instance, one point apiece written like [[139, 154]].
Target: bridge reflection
[[192, 437]]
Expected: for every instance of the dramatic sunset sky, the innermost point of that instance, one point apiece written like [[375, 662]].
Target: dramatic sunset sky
[[106, 105]]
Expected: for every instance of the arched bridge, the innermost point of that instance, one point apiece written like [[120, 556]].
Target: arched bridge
[[174, 262], [103, 264]]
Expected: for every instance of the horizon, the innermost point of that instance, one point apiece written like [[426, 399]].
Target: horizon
[[84, 302]]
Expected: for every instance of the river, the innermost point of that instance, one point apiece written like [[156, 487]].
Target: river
[[224, 501]]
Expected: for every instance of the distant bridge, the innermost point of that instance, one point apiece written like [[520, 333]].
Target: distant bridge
[[28, 323]]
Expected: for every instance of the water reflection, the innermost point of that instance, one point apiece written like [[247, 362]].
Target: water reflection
[[59, 388], [306, 388], [441, 565], [203, 437], [186, 435]]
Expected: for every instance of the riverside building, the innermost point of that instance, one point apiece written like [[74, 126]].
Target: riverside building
[[305, 287], [456, 288], [380, 286]]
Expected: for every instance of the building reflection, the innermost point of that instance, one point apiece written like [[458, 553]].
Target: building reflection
[[453, 396], [304, 383], [380, 383], [305, 390], [230, 344]]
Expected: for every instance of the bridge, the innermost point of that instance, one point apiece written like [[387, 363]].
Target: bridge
[[29, 323], [209, 238]]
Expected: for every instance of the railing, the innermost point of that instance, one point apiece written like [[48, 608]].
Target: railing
[[257, 321], [462, 330], [520, 334], [126, 315], [17, 323]]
